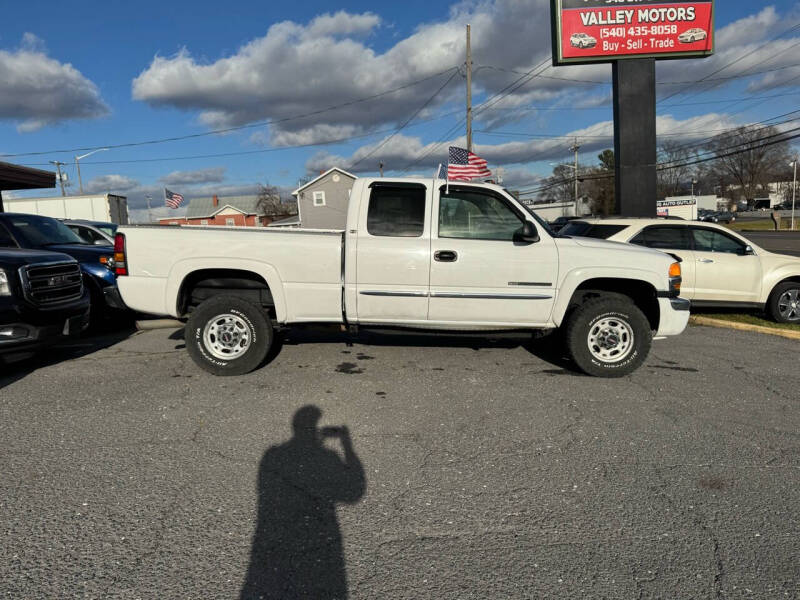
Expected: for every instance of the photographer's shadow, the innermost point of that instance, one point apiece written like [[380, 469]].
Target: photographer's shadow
[[297, 546]]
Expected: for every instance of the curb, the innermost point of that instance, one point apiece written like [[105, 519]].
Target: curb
[[158, 324], [709, 322]]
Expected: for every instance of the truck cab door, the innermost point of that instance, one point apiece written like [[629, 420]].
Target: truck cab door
[[482, 273], [393, 253]]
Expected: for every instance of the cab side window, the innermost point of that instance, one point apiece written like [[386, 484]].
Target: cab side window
[[6, 241], [396, 212], [708, 240], [476, 216], [662, 237]]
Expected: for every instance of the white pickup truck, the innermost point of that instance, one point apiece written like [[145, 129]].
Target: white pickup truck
[[416, 253]]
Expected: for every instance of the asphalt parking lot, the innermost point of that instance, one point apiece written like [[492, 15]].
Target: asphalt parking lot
[[474, 469], [782, 242]]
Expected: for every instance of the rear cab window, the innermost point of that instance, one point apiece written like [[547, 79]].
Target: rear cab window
[[396, 211]]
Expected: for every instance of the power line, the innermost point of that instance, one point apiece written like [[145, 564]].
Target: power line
[[260, 151], [407, 121], [738, 60], [239, 127]]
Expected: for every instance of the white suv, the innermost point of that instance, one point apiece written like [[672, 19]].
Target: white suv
[[720, 268]]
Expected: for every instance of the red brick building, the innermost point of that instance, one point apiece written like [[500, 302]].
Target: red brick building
[[234, 211]]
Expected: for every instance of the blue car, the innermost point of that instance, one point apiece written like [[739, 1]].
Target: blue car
[[36, 232]]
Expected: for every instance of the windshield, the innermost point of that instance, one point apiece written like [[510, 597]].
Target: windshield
[[39, 232]]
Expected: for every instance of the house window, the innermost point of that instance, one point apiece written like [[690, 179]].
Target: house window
[[203, 221], [173, 222], [230, 222], [319, 198]]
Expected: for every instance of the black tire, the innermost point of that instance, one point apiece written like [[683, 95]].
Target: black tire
[[248, 320], [779, 305], [615, 309]]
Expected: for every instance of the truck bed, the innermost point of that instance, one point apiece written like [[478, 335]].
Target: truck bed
[[303, 268]]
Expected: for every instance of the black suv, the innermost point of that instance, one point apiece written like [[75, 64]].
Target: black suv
[[42, 300]]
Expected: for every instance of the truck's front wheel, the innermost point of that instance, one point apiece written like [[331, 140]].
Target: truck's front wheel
[[226, 335], [608, 337]]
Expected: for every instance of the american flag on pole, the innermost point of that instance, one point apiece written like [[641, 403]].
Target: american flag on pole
[[464, 166], [172, 199]]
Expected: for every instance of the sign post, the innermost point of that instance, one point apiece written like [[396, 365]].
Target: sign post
[[632, 34]]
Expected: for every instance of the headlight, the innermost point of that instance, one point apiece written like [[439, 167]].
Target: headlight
[[5, 287]]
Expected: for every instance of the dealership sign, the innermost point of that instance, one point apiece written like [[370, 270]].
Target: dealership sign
[[605, 30]]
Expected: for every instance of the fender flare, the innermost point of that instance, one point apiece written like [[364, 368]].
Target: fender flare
[[183, 268], [575, 278]]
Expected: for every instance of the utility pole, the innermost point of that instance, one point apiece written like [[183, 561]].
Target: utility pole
[[469, 91], [575, 148], [380, 166], [148, 197], [60, 178], [794, 188]]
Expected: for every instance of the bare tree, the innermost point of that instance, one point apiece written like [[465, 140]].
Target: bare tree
[[560, 186], [671, 182], [600, 184], [271, 204], [744, 158]]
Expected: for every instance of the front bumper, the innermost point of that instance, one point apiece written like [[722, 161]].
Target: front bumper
[[674, 316], [23, 329]]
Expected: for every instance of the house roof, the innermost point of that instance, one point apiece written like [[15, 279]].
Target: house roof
[[292, 220], [305, 185], [201, 208], [16, 177]]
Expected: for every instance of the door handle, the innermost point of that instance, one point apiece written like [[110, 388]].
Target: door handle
[[705, 260], [445, 256]]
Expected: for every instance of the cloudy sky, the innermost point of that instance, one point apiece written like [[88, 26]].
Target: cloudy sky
[[299, 87]]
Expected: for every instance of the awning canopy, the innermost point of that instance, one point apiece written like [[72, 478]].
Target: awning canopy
[[15, 177]]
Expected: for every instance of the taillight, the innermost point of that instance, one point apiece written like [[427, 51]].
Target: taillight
[[120, 265]]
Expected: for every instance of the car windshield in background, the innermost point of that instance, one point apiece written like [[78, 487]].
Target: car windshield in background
[[39, 232], [590, 230]]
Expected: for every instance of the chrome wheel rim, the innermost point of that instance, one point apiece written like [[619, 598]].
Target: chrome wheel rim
[[789, 305], [227, 336], [611, 340]]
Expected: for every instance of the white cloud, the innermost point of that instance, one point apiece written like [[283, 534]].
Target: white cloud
[[37, 90], [343, 23], [110, 184], [209, 175], [402, 151]]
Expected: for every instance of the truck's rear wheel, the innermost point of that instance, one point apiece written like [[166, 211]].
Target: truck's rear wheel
[[226, 335], [608, 337]]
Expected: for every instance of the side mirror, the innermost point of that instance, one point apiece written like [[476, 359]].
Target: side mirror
[[748, 251], [527, 234]]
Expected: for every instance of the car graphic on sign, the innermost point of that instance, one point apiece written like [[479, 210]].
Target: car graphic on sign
[[582, 40], [692, 35]]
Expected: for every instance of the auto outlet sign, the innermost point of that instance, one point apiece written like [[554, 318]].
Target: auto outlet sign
[[605, 30]]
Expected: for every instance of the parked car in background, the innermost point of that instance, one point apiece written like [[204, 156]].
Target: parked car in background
[[582, 40], [716, 216], [96, 262], [93, 232], [42, 300], [720, 267], [692, 35]]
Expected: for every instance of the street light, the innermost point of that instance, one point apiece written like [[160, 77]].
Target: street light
[[794, 187], [78, 164]]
